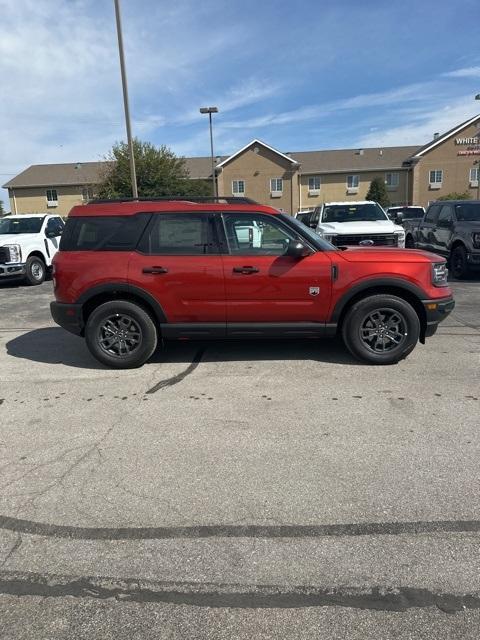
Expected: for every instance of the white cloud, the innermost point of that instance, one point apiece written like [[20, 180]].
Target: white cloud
[[466, 72]]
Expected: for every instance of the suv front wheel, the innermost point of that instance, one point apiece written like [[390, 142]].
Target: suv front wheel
[[381, 329], [121, 334]]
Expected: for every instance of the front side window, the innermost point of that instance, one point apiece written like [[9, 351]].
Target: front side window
[[391, 179], [445, 217], [276, 185], [54, 227], [352, 182], [52, 197], [180, 234], [436, 176], [256, 234], [314, 183], [238, 187], [432, 213]]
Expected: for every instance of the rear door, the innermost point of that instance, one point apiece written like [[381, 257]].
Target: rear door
[[427, 228], [178, 262], [265, 285]]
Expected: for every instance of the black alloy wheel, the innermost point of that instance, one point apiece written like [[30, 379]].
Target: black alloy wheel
[[381, 329], [121, 334]]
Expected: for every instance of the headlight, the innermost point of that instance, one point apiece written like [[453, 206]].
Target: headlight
[[15, 252], [400, 238], [476, 239], [329, 236], [439, 274]]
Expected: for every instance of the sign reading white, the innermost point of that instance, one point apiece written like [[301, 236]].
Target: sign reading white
[[467, 140]]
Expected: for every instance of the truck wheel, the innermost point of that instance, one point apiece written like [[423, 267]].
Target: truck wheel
[[35, 270], [458, 262], [381, 329], [409, 243], [121, 334]]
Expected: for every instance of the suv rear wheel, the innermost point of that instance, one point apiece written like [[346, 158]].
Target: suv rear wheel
[[381, 329], [121, 334]]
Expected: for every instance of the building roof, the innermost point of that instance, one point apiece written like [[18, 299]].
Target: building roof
[[341, 160], [255, 141], [56, 175], [439, 139]]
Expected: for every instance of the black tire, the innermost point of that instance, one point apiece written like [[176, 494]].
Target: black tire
[[36, 270], [409, 242], [458, 262], [121, 334], [381, 329]]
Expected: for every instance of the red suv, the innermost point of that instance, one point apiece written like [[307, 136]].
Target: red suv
[[130, 273]]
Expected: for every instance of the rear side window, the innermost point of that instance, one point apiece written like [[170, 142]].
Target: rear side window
[[103, 233], [184, 234]]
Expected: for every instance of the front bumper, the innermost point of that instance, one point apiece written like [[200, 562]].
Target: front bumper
[[436, 311], [69, 316], [12, 270]]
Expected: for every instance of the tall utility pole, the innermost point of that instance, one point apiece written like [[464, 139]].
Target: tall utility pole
[[211, 110], [133, 174]]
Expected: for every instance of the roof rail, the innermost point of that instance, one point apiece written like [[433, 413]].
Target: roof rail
[[187, 198]]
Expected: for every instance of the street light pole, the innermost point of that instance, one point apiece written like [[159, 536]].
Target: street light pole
[[133, 174], [211, 110]]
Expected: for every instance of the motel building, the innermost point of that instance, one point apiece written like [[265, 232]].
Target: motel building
[[287, 180]]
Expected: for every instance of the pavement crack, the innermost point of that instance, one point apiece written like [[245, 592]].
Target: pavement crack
[[14, 548], [169, 382]]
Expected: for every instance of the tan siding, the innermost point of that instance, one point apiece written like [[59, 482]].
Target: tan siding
[[34, 199]]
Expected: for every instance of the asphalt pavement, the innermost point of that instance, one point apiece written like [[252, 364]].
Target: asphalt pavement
[[238, 490]]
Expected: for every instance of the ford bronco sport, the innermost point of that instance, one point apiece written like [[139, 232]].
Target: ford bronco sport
[[131, 273]]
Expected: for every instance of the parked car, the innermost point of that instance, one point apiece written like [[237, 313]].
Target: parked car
[[304, 215], [407, 217], [27, 245], [129, 274], [451, 228], [362, 223]]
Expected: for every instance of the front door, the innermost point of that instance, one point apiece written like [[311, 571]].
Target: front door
[[178, 263], [264, 284], [427, 229], [443, 231]]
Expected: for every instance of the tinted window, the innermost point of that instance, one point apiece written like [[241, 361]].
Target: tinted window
[[353, 213], [468, 212], [432, 213], [179, 234], [55, 226], [103, 233], [446, 215], [21, 225]]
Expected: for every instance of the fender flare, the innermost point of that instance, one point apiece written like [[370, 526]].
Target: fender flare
[[130, 290]]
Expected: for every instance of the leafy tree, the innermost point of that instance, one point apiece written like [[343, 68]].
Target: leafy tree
[[159, 173], [378, 192], [455, 196]]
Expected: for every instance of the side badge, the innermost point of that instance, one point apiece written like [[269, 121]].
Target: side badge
[[314, 291]]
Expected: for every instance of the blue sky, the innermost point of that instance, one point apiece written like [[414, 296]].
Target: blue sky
[[321, 74]]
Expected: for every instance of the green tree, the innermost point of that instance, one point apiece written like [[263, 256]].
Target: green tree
[[378, 192], [455, 196], [159, 173]]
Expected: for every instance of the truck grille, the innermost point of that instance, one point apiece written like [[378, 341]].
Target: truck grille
[[4, 254], [384, 240]]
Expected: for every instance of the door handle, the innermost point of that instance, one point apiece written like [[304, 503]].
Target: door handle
[[245, 270], [154, 270]]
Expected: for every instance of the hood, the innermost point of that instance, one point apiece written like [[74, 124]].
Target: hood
[[351, 228], [388, 254], [16, 238]]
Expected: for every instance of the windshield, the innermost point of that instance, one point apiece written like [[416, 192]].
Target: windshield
[[468, 212], [10, 226], [353, 213]]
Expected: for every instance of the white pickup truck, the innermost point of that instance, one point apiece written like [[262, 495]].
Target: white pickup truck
[[28, 243], [362, 223]]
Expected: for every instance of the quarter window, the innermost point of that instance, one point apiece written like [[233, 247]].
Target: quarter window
[[352, 182], [251, 234], [436, 176], [391, 179], [238, 187], [181, 234], [314, 184]]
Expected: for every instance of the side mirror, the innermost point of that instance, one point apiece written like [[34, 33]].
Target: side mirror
[[297, 250], [50, 234]]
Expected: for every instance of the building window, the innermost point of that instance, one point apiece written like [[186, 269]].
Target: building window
[[276, 187], [352, 184], [52, 198], [87, 194], [391, 180], [436, 178], [314, 185], [238, 187], [474, 176]]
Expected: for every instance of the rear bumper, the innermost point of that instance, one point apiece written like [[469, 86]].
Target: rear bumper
[[69, 316], [436, 311], [12, 270]]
